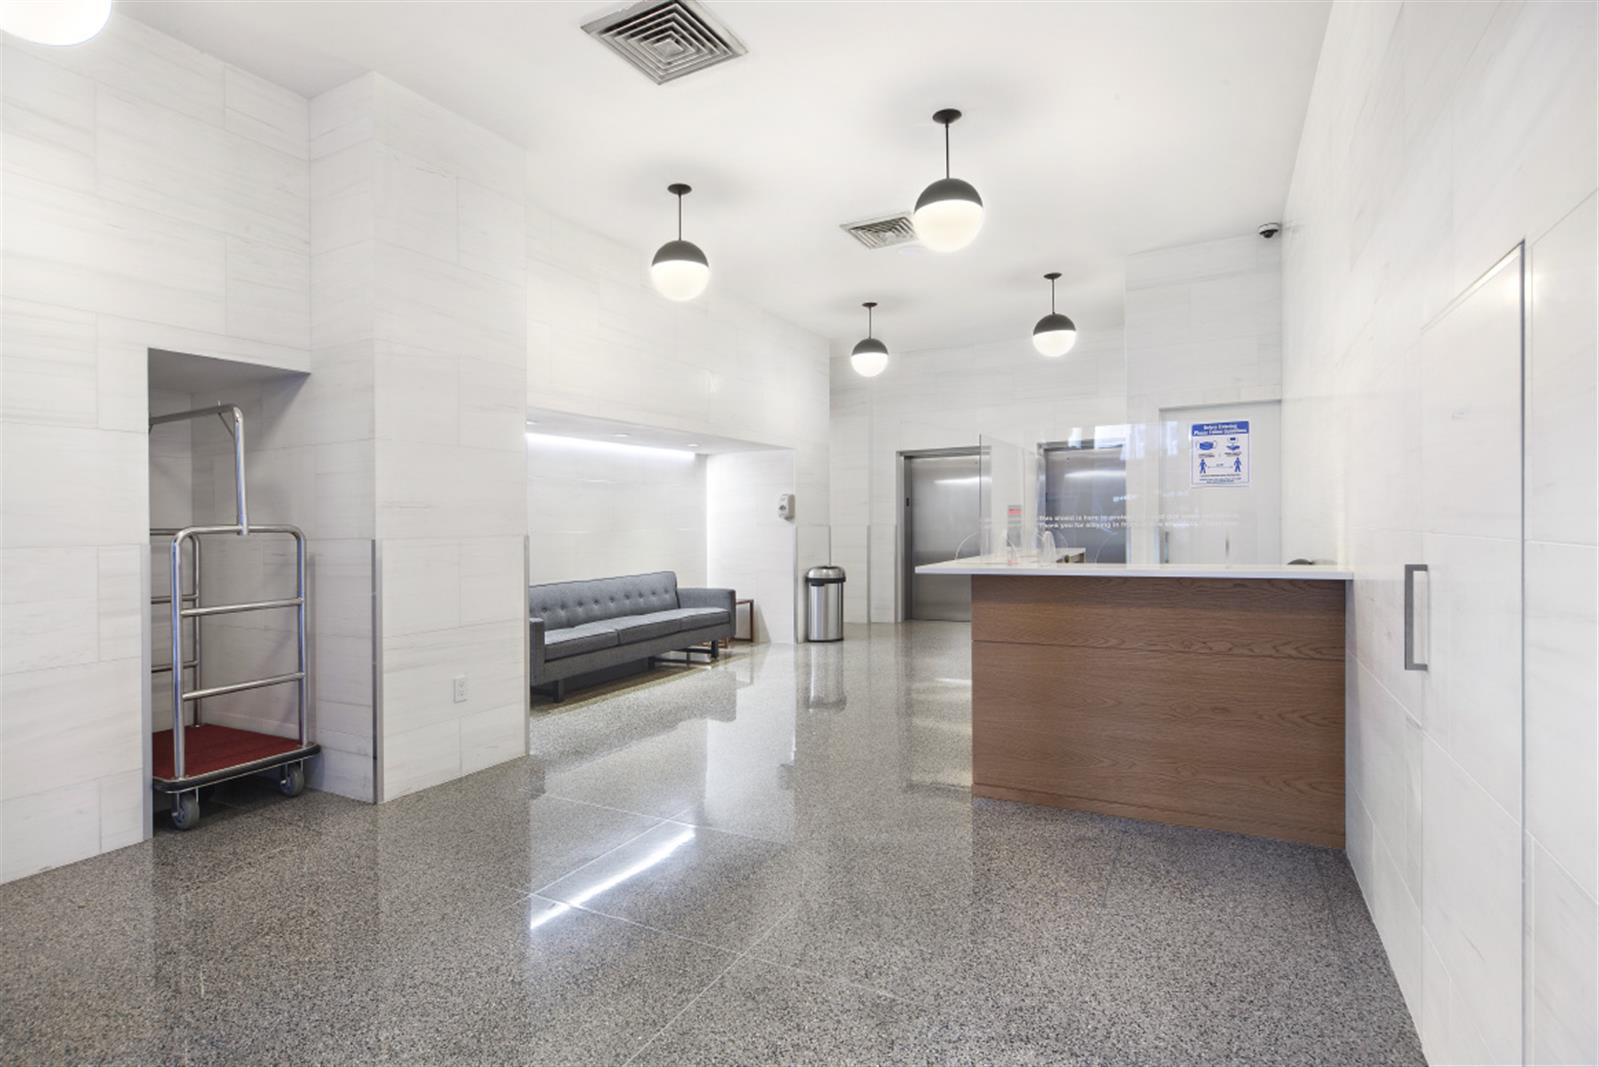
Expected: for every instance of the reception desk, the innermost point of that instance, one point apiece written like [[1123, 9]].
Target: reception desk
[[1209, 696]]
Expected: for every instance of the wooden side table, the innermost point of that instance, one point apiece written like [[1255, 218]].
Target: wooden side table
[[750, 601]]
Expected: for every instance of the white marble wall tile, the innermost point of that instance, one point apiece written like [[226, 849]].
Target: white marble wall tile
[[49, 829], [1529, 103], [415, 205], [344, 197], [749, 548], [421, 586], [137, 60], [156, 159], [493, 736], [1561, 401], [430, 490], [419, 669], [1561, 636], [49, 120], [81, 717], [1473, 643], [49, 365], [268, 293], [491, 580], [417, 395], [417, 759], [83, 252], [438, 305], [492, 236], [343, 116], [49, 596], [1492, 109], [348, 774], [1562, 1028], [265, 112], [1471, 900], [120, 608], [490, 404], [122, 809], [343, 292], [65, 486], [414, 125]]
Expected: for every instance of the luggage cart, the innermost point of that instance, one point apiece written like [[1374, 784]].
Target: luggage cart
[[193, 755]]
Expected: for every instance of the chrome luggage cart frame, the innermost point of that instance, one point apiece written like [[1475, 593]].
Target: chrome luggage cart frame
[[249, 752]]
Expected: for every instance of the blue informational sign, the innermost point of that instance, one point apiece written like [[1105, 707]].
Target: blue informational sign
[[1219, 453]]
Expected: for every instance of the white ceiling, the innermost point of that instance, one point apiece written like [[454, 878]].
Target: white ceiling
[[1092, 130]]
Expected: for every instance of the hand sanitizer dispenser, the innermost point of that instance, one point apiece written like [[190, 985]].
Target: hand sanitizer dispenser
[[785, 506]]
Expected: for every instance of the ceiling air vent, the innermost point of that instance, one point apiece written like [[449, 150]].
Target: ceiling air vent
[[886, 231], [666, 39]]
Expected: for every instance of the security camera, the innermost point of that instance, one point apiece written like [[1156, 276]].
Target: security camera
[[1270, 230]]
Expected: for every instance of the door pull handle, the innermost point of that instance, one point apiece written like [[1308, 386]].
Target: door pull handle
[[1411, 662]]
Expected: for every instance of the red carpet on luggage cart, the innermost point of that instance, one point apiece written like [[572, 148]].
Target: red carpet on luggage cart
[[210, 748]]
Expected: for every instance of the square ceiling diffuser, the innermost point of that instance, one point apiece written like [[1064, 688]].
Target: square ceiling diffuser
[[666, 39]]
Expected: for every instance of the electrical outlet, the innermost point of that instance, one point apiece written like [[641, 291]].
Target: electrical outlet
[[460, 689]]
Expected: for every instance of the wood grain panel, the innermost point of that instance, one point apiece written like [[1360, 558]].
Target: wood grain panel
[[1200, 702], [1298, 619]]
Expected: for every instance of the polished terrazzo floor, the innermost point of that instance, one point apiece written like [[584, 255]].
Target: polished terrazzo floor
[[774, 859]]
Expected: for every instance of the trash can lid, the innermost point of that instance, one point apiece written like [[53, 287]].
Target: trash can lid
[[826, 573]]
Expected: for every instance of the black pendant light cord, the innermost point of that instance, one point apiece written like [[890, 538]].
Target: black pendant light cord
[[679, 216], [946, 150], [869, 305], [1051, 284]]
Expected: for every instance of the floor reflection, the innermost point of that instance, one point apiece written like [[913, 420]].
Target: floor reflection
[[772, 858]]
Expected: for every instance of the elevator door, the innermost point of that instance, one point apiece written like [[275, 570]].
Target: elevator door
[[1085, 500], [941, 511]]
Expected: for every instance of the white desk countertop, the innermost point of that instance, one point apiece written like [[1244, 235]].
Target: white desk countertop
[[1030, 567]]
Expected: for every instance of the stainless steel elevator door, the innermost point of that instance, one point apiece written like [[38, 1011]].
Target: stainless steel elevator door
[[1085, 500], [941, 512]]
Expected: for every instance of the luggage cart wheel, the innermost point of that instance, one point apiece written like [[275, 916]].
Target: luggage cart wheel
[[292, 784], [185, 810]]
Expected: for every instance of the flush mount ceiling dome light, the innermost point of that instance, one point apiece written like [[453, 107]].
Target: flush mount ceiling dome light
[[869, 356], [949, 212], [680, 270], [1055, 333], [57, 22]]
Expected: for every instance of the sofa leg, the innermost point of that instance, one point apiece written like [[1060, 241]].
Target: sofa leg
[[716, 651], [560, 690]]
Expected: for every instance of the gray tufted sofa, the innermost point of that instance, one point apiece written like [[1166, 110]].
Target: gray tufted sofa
[[581, 627]]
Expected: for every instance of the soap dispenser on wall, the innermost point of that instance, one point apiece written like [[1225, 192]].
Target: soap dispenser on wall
[[785, 506]]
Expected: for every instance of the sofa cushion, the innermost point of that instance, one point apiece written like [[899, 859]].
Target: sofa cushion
[[563, 605], [644, 627], [574, 640], [695, 618]]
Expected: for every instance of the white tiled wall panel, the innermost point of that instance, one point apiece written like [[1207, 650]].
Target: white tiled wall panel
[[1439, 136], [153, 197], [598, 511], [601, 342]]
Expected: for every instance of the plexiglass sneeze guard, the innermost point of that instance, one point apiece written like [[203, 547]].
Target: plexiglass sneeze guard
[[1194, 485]]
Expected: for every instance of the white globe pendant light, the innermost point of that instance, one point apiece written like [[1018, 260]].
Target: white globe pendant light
[[680, 270], [870, 356], [57, 22], [1055, 333], [949, 212]]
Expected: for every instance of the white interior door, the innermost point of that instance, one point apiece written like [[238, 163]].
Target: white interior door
[[1467, 630], [1221, 483]]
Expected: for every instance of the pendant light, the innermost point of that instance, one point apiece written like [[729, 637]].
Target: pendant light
[[57, 22], [870, 356], [680, 270], [949, 212], [1055, 333]]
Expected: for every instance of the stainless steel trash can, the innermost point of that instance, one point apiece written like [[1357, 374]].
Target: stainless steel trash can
[[824, 603]]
